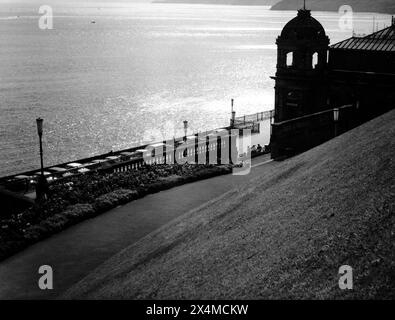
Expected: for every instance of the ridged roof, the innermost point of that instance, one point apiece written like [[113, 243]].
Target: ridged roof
[[383, 40]]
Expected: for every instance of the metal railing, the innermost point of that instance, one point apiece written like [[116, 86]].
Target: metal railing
[[290, 137], [211, 149], [260, 116], [123, 163]]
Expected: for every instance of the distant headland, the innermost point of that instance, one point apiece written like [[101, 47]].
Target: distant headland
[[380, 6], [226, 2]]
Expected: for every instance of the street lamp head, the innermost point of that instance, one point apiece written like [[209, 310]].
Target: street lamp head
[[336, 115], [39, 126]]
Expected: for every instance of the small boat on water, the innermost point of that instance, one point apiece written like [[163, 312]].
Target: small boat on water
[[93, 21]]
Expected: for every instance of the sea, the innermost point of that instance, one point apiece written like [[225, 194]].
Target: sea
[[110, 75]]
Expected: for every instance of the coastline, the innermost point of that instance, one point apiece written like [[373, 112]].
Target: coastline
[[282, 6]]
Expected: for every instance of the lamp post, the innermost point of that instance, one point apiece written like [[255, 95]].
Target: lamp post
[[233, 113], [336, 119], [42, 182], [185, 129]]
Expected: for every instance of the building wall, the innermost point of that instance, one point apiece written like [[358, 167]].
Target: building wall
[[362, 60], [298, 135], [299, 96], [362, 79]]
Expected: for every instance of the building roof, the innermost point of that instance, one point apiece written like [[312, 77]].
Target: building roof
[[383, 40]]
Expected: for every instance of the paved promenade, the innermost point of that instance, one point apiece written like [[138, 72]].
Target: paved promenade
[[80, 249]]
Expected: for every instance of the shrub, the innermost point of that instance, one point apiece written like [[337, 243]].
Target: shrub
[[113, 199]]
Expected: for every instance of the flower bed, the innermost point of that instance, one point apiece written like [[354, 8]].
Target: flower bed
[[75, 199]]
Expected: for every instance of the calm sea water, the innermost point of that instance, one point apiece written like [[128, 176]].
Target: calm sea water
[[134, 75]]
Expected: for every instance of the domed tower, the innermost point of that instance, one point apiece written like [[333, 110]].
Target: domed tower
[[301, 67]]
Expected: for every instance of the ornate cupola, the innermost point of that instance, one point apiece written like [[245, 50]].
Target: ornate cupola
[[302, 50], [303, 44]]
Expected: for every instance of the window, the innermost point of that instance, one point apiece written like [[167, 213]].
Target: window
[[293, 99], [315, 60], [290, 58]]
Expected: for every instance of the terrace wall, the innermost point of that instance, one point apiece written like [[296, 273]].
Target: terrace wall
[[301, 134]]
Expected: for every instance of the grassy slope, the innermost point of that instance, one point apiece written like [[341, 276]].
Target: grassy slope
[[284, 236]]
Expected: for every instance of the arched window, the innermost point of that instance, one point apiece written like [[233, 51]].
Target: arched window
[[315, 60], [293, 99], [290, 59]]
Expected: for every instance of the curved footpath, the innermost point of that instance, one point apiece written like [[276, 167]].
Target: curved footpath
[[77, 251]]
